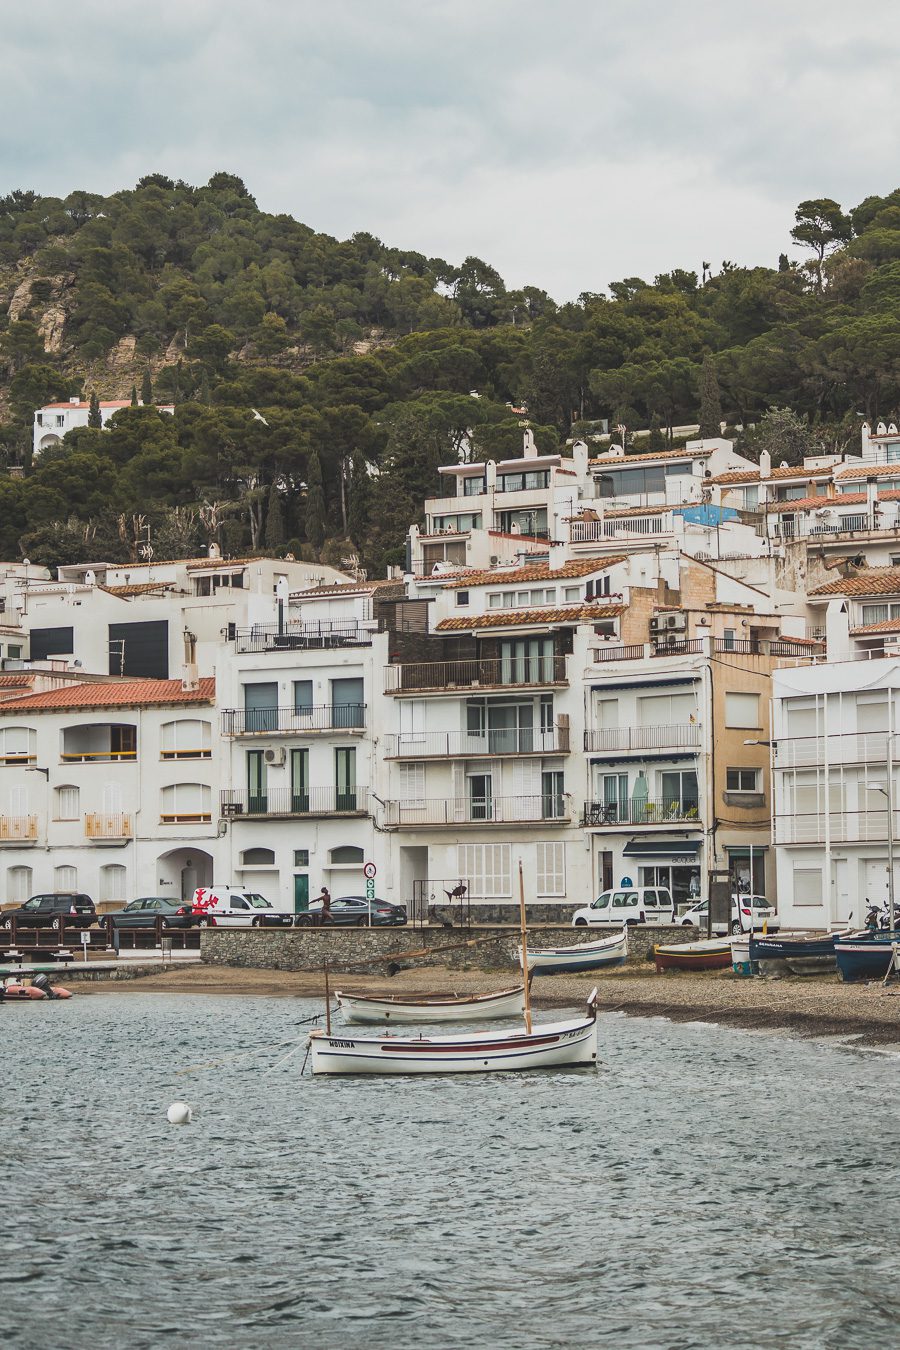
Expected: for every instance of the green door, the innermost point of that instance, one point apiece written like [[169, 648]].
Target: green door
[[301, 894]]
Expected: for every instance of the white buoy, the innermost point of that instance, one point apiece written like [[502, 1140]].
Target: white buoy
[[179, 1113]]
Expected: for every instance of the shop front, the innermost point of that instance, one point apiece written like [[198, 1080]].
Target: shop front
[[674, 863]]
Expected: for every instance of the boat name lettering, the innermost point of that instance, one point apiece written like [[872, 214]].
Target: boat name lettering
[[342, 1045]]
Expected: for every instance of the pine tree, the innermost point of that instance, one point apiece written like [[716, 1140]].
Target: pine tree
[[146, 389], [315, 501], [205, 394], [710, 401], [657, 440], [358, 517], [94, 417], [275, 521], [134, 397]]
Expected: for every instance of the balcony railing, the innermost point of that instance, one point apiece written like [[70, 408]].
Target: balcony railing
[[619, 527], [844, 827], [852, 523], [641, 811], [293, 721], [546, 807], [96, 756], [773, 647], [611, 739], [512, 672], [18, 829], [293, 637], [855, 747], [103, 825], [315, 801], [496, 741]]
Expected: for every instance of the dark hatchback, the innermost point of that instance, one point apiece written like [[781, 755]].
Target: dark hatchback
[[353, 911], [47, 911], [144, 913]]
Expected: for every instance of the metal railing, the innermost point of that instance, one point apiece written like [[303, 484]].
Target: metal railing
[[493, 741], [275, 721], [588, 531], [314, 801], [18, 828], [641, 811], [290, 637], [96, 756], [844, 827], [852, 747], [546, 807], [445, 901], [503, 672], [106, 825], [852, 523], [686, 736], [774, 647]]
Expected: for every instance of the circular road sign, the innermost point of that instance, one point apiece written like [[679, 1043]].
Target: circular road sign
[[369, 871]]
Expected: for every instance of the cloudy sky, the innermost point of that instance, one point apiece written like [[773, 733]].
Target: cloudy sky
[[568, 142]]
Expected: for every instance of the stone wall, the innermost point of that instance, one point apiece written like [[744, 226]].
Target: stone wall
[[493, 948]]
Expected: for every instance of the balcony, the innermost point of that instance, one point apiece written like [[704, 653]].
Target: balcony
[[854, 747], [612, 740], [296, 637], [641, 811], [620, 527], [349, 717], [441, 677], [803, 527], [469, 744], [705, 646], [548, 808], [99, 743], [843, 827], [318, 801], [105, 828], [18, 829]]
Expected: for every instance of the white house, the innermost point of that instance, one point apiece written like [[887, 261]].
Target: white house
[[54, 420]]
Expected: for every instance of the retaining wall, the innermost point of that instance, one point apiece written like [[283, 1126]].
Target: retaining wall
[[308, 948]]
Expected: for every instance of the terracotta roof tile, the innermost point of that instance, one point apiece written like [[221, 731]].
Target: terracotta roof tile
[[23, 680], [350, 588], [798, 471], [868, 581], [496, 576], [515, 618], [871, 471], [888, 626], [122, 694], [735, 476], [815, 503], [138, 588], [623, 461]]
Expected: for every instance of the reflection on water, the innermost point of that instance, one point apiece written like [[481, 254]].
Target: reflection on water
[[704, 1187]]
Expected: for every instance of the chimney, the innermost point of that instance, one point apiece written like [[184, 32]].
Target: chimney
[[189, 677]]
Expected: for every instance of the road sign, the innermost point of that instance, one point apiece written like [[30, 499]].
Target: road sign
[[369, 871], [370, 890], [85, 939]]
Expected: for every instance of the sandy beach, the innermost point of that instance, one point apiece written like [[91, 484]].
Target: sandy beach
[[817, 1006]]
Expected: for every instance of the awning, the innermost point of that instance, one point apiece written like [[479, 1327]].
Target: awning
[[622, 682], [662, 848], [644, 756]]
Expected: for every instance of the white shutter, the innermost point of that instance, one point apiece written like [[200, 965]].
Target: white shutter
[[458, 804], [526, 784], [412, 793], [551, 869]]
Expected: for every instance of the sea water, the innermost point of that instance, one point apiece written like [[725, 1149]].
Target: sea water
[[703, 1187]]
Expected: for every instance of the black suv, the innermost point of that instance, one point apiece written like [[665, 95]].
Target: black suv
[[43, 911]]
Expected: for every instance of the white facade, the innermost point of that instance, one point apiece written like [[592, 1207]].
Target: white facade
[[55, 420]]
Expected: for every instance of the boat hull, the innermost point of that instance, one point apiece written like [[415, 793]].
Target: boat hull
[[709, 955], [609, 951], [358, 1010], [794, 954], [553, 1045], [864, 957], [741, 962]]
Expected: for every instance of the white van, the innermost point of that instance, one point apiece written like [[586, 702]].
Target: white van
[[232, 907], [629, 905]]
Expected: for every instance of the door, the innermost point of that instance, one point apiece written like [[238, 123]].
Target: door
[[412, 725], [300, 781], [614, 796], [261, 707], [345, 779], [301, 893], [347, 703], [256, 782], [480, 796]]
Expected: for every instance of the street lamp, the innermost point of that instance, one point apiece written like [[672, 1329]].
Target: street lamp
[[889, 793]]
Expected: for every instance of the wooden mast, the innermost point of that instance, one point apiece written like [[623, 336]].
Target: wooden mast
[[524, 949], [327, 1002]]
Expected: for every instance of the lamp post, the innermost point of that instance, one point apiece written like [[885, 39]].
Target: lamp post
[[888, 792]]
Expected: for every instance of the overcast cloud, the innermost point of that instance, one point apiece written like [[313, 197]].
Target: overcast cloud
[[569, 143]]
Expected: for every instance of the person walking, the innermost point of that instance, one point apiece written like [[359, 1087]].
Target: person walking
[[325, 897]]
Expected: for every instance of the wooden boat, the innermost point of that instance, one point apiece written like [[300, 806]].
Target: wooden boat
[[741, 963], [865, 956], [800, 953], [549, 1046], [607, 951], [709, 954], [359, 1008]]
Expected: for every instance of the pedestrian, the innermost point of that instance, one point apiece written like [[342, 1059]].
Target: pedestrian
[[325, 897]]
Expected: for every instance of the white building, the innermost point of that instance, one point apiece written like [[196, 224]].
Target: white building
[[54, 420]]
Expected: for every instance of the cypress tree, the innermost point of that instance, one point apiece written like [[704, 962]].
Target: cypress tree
[[315, 501], [275, 521], [710, 401], [146, 389], [358, 516], [94, 417], [134, 397]]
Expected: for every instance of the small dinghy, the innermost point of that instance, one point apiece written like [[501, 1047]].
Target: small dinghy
[[607, 951], [359, 1008], [710, 954], [17, 991]]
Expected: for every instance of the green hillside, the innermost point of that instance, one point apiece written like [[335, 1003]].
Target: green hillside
[[320, 382]]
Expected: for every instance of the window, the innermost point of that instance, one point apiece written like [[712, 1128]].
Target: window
[[804, 717], [553, 804], [186, 803], [300, 781], [728, 639], [113, 884], [14, 652], [18, 884], [551, 869], [67, 802], [462, 598], [258, 857], [879, 613], [742, 780], [679, 792], [495, 600], [303, 697], [571, 594], [523, 482], [345, 855], [412, 788], [261, 707], [526, 661], [871, 712], [60, 420], [347, 702], [65, 878], [807, 885], [17, 745], [256, 782], [219, 581], [742, 710], [472, 487], [301, 857], [188, 738], [345, 779], [486, 868]]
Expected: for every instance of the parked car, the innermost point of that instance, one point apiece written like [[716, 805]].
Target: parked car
[[747, 911], [628, 905], [144, 913], [46, 911], [354, 910], [231, 907]]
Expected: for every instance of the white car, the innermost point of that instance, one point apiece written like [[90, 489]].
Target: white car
[[747, 912], [628, 905]]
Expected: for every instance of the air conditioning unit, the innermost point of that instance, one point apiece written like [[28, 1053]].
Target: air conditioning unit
[[677, 620], [275, 756]]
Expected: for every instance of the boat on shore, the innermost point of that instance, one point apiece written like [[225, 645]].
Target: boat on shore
[[361, 1008], [798, 953], [741, 963], [606, 951], [708, 954], [867, 955], [548, 1046]]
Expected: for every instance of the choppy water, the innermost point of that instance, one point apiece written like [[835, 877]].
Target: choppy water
[[706, 1187]]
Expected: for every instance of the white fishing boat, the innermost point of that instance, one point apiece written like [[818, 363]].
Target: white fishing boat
[[410, 1011], [607, 951], [550, 1046]]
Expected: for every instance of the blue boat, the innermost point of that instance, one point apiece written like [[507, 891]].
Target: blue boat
[[865, 956]]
